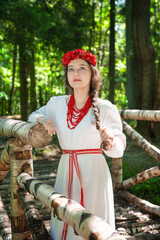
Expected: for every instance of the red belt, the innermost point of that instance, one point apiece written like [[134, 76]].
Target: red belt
[[73, 161]]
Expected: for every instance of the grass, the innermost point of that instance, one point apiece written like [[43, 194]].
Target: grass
[[136, 160]]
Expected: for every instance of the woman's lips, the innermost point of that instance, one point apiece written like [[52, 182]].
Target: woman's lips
[[76, 80]]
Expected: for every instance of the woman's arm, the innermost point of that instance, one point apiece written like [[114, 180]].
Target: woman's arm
[[111, 130], [42, 116]]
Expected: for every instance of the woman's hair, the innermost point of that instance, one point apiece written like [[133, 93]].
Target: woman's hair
[[96, 81]]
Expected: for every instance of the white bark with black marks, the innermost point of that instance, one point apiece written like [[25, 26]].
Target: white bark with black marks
[[29, 133], [83, 222], [142, 142], [139, 178], [146, 115], [140, 203], [5, 224]]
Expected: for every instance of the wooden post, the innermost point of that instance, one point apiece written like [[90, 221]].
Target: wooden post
[[34, 222], [20, 161], [29, 133], [5, 225], [116, 171], [4, 163]]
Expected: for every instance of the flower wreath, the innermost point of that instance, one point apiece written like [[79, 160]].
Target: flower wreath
[[79, 53]]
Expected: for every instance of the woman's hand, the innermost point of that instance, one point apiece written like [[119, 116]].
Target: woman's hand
[[48, 124], [107, 138]]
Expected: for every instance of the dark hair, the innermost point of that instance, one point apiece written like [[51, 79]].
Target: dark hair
[[96, 82]]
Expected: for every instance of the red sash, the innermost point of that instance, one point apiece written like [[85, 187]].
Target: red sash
[[73, 162]]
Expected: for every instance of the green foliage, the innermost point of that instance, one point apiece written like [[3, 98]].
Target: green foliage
[[148, 190], [49, 29], [136, 160]]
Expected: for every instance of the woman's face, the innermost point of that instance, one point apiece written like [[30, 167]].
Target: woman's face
[[79, 74]]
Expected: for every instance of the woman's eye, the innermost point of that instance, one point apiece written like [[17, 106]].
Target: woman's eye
[[70, 70], [82, 68]]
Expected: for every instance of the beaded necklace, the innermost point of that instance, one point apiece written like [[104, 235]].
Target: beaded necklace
[[74, 115]]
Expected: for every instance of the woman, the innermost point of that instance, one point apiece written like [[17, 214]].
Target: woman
[[85, 125]]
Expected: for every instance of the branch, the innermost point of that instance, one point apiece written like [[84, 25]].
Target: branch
[[140, 203], [149, 115], [142, 142], [139, 178], [83, 222]]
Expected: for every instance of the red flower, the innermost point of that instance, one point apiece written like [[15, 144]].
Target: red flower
[[79, 53]]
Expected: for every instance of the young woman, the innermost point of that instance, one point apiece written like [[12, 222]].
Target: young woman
[[86, 126]]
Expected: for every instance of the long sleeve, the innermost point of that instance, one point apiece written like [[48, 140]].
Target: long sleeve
[[44, 111], [110, 118]]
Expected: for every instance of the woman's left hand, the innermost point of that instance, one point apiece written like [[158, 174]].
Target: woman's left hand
[[107, 138]]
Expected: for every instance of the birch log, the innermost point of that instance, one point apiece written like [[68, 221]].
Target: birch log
[[139, 178], [149, 115], [140, 203], [4, 163], [142, 142], [29, 133], [34, 222], [116, 171], [20, 161], [83, 222], [5, 225]]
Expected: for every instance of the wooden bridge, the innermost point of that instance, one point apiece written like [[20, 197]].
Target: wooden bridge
[[135, 218]]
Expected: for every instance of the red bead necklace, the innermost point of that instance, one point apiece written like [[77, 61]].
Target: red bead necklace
[[74, 115]]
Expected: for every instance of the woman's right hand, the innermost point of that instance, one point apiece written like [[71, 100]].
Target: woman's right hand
[[48, 124]]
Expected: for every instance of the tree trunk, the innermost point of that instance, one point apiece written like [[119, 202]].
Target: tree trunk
[[145, 59], [13, 78], [111, 74], [33, 99], [78, 5], [144, 53], [132, 75], [40, 96], [92, 29], [155, 126], [23, 81], [100, 36]]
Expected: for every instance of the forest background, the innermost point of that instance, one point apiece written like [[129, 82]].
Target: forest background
[[35, 34], [124, 36]]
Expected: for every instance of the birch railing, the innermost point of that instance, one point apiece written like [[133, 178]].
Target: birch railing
[[122, 186], [25, 220]]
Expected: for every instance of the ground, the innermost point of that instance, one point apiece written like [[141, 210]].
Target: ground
[[128, 218]]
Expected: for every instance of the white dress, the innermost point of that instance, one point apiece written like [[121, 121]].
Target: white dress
[[96, 178]]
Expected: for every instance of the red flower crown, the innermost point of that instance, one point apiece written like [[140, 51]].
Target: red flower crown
[[79, 53]]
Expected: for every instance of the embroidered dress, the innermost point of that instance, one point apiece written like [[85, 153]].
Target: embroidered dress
[[95, 175]]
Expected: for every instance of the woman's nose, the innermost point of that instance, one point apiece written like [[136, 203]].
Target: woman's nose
[[76, 72]]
